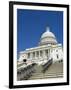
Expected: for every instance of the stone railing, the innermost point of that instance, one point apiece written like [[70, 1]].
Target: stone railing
[[26, 72], [46, 65]]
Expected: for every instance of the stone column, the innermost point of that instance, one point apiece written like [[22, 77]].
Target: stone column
[[44, 54], [48, 53], [39, 54]]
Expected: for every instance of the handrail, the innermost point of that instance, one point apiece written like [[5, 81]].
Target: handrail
[[47, 64], [26, 72]]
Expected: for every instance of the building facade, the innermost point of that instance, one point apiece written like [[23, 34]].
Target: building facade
[[48, 48]]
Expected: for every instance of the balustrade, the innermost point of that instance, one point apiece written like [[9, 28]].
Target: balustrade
[[46, 65], [25, 73]]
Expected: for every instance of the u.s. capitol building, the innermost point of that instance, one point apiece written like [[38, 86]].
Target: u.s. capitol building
[[47, 48], [48, 51]]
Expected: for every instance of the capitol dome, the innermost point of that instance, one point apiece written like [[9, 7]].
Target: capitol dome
[[48, 38]]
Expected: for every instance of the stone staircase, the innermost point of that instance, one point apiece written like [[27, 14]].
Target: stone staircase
[[55, 70]]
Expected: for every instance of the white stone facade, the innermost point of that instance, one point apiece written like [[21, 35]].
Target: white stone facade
[[48, 48], [42, 53]]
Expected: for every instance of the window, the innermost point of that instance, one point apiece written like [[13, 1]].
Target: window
[[41, 53], [28, 55], [46, 51], [33, 54], [57, 56], [37, 53]]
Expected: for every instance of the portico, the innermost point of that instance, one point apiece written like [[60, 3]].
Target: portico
[[37, 54]]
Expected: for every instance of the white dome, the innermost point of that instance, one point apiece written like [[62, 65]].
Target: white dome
[[47, 34], [47, 38]]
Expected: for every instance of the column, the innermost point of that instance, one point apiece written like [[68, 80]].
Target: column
[[39, 54], [44, 54], [48, 53]]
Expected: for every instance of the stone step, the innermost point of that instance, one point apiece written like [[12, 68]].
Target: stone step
[[47, 76], [54, 71], [39, 75]]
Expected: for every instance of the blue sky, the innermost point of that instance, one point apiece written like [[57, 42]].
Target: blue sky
[[32, 23]]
